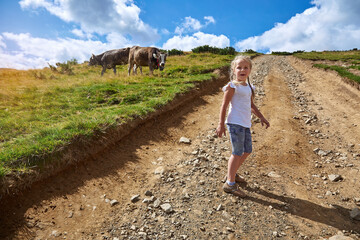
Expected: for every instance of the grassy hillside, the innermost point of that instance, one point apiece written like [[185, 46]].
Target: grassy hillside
[[43, 110], [349, 68], [346, 56]]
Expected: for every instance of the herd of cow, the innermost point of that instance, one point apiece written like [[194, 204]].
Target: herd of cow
[[135, 56]]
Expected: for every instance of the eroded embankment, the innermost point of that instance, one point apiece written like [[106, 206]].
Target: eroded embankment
[[81, 148], [20, 193]]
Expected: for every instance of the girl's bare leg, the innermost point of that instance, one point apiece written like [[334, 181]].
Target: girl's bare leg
[[234, 163]]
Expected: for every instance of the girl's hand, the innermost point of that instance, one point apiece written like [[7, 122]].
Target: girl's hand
[[264, 121], [220, 130]]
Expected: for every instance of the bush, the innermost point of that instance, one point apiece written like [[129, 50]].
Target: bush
[[65, 68], [227, 51], [174, 52], [281, 53], [38, 75], [215, 50], [249, 51], [72, 61], [52, 68]]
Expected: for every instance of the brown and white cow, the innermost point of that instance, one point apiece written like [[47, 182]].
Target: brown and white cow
[[146, 56], [110, 59]]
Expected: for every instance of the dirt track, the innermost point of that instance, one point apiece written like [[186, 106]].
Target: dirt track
[[315, 132]]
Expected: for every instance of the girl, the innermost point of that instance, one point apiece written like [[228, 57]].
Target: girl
[[239, 94]]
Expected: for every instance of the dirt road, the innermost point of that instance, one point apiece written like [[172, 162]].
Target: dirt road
[[314, 136]]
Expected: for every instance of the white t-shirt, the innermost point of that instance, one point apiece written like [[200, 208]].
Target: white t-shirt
[[240, 105]]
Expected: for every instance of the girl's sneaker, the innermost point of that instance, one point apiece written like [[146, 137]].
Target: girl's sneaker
[[238, 179], [234, 189]]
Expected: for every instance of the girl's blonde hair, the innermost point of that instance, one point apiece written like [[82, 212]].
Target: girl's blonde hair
[[234, 62]]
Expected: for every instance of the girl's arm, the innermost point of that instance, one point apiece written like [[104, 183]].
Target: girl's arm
[[257, 112], [220, 130]]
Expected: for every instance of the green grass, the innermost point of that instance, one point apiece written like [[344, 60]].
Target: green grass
[[341, 70], [357, 67], [348, 57], [43, 110]]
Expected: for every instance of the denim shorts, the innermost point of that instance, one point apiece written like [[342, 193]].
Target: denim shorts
[[240, 138]]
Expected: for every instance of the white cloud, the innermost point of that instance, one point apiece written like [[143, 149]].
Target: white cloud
[[329, 25], [164, 31], [78, 32], [192, 25], [102, 17], [2, 43], [114, 40], [19, 61], [186, 43], [37, 52], [209, 19], [81, 34], [117, 21]]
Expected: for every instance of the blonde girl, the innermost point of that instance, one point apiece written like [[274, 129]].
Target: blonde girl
[[239, 93]]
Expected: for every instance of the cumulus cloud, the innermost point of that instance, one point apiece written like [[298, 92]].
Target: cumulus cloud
[[329, 25], [116, 21], [102, 17], [2, 43], [20, 61], [37, 52], [209, 19], [186, 43], [164, 31], [81, 34], [193, 25]]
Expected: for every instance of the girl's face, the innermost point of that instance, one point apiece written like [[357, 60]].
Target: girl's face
[[242, 70]]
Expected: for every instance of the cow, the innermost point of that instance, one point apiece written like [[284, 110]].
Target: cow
[[146, 56], [110, 59]]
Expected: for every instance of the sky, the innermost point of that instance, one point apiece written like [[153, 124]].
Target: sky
[[34, 33]]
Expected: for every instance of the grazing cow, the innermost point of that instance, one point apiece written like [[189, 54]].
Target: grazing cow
[[146, 56], [110, 59]]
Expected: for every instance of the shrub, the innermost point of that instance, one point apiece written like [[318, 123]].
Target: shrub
[[249, 51], [281, 53], [215, 50], [65, 68], [227, 51], [38, 75], [72, 61], [52, 68], [173, 52]]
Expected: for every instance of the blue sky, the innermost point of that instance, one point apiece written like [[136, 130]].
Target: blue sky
[[36, 32]]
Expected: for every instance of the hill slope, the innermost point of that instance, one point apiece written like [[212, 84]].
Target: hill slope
[[314, 133]]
